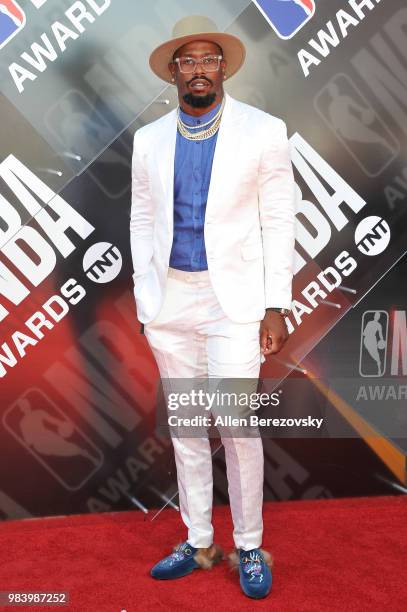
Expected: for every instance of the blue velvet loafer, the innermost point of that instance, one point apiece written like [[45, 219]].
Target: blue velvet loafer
[[184, 559], [254, 571]]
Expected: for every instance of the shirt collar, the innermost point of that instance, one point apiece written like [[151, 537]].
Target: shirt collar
[[191, 120]]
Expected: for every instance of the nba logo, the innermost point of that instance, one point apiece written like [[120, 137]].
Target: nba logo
[[12, 20], [373, 343], [286, 17]]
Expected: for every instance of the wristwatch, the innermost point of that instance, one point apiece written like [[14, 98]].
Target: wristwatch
[[283, 311]]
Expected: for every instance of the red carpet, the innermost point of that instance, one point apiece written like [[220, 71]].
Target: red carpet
[[342, 554]]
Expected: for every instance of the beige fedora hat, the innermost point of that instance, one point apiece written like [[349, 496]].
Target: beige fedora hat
[[197, 27]]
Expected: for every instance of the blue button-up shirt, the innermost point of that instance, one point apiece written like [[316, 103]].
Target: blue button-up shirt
[[192, 175]]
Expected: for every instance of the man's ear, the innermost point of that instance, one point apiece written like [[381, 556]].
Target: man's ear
[[171, 65]]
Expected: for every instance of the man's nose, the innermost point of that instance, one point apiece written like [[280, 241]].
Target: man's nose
[[198, 68]]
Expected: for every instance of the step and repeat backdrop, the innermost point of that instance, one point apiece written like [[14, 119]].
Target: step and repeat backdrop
[[79, 385]]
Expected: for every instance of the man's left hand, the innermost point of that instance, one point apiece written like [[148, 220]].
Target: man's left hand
[[273, 333]]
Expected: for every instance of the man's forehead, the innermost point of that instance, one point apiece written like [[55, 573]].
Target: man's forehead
[[198, 47]]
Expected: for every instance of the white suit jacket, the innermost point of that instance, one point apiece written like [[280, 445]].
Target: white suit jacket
[[249, 219]]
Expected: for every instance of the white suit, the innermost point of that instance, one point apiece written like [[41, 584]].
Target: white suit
[[205, 324], [249, 219]]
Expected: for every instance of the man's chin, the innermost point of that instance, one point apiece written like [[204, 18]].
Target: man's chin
[[199, 101]]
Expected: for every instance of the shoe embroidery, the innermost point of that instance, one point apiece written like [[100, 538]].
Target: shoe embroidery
[[252, 565], [180, 553]]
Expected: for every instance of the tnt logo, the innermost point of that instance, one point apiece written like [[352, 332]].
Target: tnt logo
[[286, 17], [372, 236], [102, 262], [12, 20]]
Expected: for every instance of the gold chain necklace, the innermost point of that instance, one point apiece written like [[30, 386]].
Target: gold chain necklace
[[200, 135], [197, 127], [204, 134]]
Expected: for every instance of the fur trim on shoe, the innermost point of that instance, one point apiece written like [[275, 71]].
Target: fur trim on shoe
[[234, 558], [207, 557]]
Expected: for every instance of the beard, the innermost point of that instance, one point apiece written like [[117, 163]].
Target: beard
[[199, 101]]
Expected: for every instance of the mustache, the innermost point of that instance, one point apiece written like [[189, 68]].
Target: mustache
[[200, 79]]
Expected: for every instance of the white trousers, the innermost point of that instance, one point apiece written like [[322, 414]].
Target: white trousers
[[193, 338]]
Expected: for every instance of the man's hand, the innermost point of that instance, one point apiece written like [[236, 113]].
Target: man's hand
[[273, 333]]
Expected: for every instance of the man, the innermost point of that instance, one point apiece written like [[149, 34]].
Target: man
[[212, 239]]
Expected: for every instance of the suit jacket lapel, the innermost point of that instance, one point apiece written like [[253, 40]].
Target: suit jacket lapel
[[227, 146], [165, 159]]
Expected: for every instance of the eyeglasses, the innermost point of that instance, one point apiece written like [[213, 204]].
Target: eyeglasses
[[187, 65]]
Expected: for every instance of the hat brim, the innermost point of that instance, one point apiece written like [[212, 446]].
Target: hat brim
[[234, 52]]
